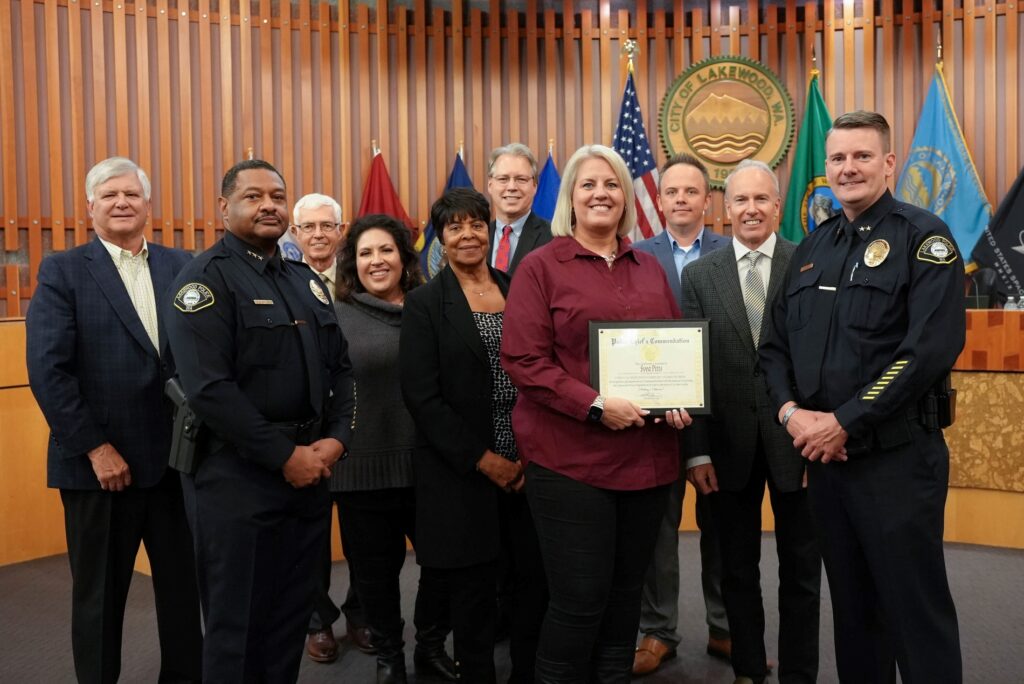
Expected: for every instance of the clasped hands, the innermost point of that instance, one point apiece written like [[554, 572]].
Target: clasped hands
[[620, 414], [817, 435], [308, 464], [505, 473]]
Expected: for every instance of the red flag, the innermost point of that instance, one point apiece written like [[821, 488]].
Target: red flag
[[379, 196]]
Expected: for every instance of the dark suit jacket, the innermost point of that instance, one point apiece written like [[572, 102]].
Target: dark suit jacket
[[536, 233], [741, 408], [93, 368], [661, 246], [446, 383]]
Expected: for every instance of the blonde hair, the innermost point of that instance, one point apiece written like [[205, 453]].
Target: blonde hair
[[564, 219]]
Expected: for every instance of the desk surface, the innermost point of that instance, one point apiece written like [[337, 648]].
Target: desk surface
[[995, 341]]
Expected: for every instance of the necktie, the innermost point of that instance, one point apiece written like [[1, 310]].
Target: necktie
[[504, 248], [753, 296], [327, 281]]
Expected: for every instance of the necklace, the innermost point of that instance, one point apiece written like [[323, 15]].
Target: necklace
[[480, 292], [610, 259]]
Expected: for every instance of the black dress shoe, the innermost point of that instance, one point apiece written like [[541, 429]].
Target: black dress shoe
[[391, 670], [361, 637], [437, 665]]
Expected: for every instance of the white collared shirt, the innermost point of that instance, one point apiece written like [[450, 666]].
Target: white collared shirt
[[134, 272], [764, 265]]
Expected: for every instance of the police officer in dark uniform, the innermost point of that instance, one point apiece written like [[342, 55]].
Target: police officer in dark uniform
[[870, 325], [265, 368]]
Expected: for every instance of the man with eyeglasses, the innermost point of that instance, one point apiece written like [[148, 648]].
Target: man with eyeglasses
[[316, 229], [317, 232], [512, 185]]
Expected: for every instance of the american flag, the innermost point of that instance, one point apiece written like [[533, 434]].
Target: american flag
[[630, 141]]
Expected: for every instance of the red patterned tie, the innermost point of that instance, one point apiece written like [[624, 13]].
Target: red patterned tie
[[504, 248]]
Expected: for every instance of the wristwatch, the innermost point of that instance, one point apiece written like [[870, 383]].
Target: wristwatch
[[596, 410]]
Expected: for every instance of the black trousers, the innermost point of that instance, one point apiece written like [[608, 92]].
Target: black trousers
[[880, 521], [525, 584], [325, 613], [374, 526], [258, 543], [104, 530], [596, 545], [471, 602], [738, 517]]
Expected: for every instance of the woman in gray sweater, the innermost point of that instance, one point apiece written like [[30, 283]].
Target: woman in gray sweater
[[373, 487]]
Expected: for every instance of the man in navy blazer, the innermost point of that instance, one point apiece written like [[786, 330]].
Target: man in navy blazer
[[683, 197], [97, 363], [512, 185]]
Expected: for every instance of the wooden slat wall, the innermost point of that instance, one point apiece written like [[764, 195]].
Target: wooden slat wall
[[308, 84]]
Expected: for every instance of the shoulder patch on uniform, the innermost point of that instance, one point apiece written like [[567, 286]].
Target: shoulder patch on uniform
[[193, 297], [318, 291], [937, 250]]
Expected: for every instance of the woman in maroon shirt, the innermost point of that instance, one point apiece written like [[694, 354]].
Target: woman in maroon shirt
[[597, 470]]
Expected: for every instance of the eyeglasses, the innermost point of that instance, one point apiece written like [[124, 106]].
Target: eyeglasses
[[518, 180], [325, 227]]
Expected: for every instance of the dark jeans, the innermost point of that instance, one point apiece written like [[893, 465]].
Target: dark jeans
[[738, 517], [596, 545], [526, 587], [472, 603], [375, 525]]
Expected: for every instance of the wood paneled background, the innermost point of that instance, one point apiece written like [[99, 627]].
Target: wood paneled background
[[188, 87]]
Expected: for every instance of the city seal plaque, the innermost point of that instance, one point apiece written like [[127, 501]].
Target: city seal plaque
[[724, 110]]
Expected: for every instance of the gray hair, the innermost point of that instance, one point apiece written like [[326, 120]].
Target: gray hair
[[564, 220], [112, 168], [515, 149], [315, 200], [753, 164]]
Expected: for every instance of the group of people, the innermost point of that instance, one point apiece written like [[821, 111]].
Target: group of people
[[458, 414]]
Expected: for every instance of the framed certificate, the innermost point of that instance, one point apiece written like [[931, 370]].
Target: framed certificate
[[660, 364]]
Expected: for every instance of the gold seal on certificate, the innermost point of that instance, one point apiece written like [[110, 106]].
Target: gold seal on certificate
[[660, 365]]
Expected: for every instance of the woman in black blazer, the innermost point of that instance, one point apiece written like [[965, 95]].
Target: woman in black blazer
[[463, 463]]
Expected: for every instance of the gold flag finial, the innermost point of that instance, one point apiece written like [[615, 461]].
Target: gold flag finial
[[551, 145], [938, 51], [814, 63], [252, 153], [374, 150], [631, 49]]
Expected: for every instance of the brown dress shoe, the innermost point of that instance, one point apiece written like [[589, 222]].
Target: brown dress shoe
[[650, 654], [322, 647], [360, 636], [720, 648]]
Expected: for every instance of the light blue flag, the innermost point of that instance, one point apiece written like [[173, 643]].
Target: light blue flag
[[939, 174], [547, 190], [430, 253]]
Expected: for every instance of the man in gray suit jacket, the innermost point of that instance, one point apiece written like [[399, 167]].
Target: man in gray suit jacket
[[742, 447], [683, 196], [512, 185]]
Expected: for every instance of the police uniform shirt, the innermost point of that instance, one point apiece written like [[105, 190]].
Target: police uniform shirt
[[872, 315], [257, 342]]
